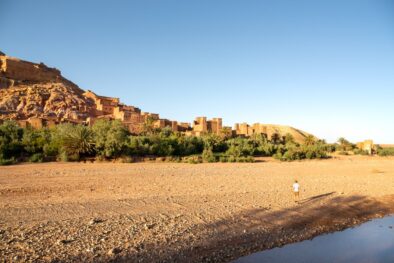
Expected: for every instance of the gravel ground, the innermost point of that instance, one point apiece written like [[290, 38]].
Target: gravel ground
[[167, 212]]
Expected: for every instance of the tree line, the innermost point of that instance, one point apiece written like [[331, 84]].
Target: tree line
[[108, 140]]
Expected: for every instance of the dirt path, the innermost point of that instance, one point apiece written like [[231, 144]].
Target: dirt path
[[148, 212]]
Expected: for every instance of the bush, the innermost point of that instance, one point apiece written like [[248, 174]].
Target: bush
[[10, 141], [34, 141], [174, 159], [386, 151], [110, 138], [223, 159], [294, 152], [37, 158], [232, 159], [215, 143], [343, 153], [194, 159], [250, 159], [7, 161], [345, 145], [126, 159], [360, 152], [316, 151], [208, 156], [240, 147], [189, 145]]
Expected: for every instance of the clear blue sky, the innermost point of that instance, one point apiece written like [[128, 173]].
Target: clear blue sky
[[326, 67]]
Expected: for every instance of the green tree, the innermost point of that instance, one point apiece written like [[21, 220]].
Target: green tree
[[208, 156], [34, 141], [289, 138], [148, 126], [345, 145], [10, 140], [275, 138], [110, 138], [78, 143], [309, 140]]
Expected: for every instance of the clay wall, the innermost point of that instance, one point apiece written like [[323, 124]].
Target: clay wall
[[366, 145], [36, 123], [16, 69], [184, 126], [200, 124], [215, 125]]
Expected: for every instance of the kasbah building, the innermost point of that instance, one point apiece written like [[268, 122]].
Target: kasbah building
[[133, 118], [16, 73]]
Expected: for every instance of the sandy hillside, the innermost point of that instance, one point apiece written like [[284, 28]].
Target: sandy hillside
[[146, 212]]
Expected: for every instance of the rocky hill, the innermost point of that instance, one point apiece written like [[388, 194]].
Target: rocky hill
[[34, 90], [298, 135], [36, 95]]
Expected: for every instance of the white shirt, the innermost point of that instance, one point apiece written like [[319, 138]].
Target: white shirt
[[296, 187]]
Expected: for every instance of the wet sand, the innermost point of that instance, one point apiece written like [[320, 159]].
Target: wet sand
[[154, 212]]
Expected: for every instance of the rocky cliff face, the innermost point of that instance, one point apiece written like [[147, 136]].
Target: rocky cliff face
[[34, 90]]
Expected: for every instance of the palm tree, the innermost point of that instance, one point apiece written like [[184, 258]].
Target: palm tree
[[309, 140], [342, 141], [275, 138], [79, 141]]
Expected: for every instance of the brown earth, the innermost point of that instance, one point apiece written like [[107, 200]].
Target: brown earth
[[170, 212]]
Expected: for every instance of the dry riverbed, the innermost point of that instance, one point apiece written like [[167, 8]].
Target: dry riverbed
[[166, 212]]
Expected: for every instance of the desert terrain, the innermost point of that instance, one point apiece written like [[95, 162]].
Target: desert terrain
[[176, 212]]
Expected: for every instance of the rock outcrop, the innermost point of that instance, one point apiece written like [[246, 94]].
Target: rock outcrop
[[36, 95], [35, 90]]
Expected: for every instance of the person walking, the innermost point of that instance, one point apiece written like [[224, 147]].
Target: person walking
[[296, 190]]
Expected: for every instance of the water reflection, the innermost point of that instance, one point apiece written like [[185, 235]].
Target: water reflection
[[370, 242]]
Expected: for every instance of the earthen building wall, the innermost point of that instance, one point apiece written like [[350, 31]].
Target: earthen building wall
[[16, 69]]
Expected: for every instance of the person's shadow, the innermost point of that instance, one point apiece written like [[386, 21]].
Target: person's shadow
[[313, 198]]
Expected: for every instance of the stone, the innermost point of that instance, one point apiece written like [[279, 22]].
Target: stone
[[95, 221], [114, 251]]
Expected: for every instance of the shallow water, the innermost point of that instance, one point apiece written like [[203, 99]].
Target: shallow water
[[370, 242]]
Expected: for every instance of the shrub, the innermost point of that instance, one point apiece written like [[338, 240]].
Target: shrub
[[315, 151], [386, 151], [360, 152], [232, 159], [208, 156], [189, 145], [223, 159], [34, 141], [37, 158], [240, 147], [295, 152], [175, 159], [110, 138], [10, 141], [345, 145], [50, 150], [215, 142], [194, 159], [250, 159], [7, 161], [126, 159]]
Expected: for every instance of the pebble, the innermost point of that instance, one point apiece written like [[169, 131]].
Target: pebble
[[95, 221], [114, 251]]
